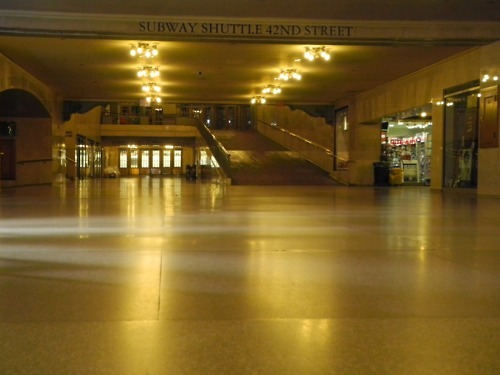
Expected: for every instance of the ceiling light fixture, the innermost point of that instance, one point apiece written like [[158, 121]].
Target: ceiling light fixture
[[144, 50], [258, 100], [288, 74], [151, 87], [148, 71], [271, 89], [153, 98], [313, 53]]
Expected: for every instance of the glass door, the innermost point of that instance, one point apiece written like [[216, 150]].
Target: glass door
[[177, 168], [145, 161], [166, 167], [461, 139], [123, 160], [134, 162], [155, 161], [82, 158]]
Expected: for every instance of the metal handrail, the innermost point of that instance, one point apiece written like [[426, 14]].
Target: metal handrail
[[326, 150], [336, 174], [222, 156], [34, 161]]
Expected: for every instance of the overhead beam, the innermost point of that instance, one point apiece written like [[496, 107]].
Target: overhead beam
[[69, 25]]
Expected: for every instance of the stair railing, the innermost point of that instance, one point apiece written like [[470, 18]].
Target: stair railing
[[222, 156]]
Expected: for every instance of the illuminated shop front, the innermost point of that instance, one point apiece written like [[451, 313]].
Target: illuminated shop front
[[406, 150]]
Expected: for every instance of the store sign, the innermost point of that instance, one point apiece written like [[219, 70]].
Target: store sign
[[405, 141], [163, 27]]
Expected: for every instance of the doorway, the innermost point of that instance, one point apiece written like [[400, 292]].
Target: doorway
[[150, 161], [7, 159]]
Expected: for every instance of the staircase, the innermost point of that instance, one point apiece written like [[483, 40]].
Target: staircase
[[257, 160]]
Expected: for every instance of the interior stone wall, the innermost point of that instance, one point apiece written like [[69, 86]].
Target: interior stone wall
[[489, 158], [414, 90], [37, 138]]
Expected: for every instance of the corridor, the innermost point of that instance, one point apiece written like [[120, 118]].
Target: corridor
[[155, 276]]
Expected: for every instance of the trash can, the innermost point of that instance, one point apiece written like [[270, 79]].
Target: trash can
[[381, 173], [396, 176]]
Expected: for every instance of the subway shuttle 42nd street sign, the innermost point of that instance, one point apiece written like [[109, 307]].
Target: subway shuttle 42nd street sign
[[245, 29]]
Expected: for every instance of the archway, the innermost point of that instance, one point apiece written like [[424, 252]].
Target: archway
[[25, 139]]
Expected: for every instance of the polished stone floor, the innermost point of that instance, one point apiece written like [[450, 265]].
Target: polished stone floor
[[151, 276]]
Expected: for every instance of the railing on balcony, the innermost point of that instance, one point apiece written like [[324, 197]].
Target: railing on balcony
[[33, 161], [137, 119]]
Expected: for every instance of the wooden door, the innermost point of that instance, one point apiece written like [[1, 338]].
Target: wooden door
[[7, 159]]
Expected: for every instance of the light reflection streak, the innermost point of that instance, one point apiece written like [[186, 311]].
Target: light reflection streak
[[83, 213], [131, 193], [45, 227], [181, 224]]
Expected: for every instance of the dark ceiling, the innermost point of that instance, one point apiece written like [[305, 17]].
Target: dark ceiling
[[229, 71]]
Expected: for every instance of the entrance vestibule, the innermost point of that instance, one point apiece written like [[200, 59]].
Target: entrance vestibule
[[147, 160]]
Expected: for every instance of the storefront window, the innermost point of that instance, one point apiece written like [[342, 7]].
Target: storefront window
[[461, 139], [406, 146]]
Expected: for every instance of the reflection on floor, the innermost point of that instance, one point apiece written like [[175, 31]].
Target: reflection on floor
[[168, 276]]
